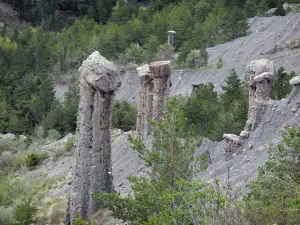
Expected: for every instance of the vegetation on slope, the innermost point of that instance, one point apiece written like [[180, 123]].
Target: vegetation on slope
[[170, 197], [275, 195], [133, 31], [62, 35]]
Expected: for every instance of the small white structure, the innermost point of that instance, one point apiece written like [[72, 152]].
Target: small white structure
[[171, 35]]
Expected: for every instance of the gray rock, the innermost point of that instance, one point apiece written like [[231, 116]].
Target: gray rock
[[94, 71], [7, 137], [294, 109], [270, 12], [259, 74], [244, 134], [295, 80], [241, 51], [232, 137], [286, 6], [93, 168], [143, 70], [264, 76]]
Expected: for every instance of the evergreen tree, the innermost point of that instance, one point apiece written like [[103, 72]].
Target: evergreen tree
[[233, 90], [4, 116], [124, 115], [275, 195], [279, 11], [281, 87], [202, 108], [234, 107], [169, 197]]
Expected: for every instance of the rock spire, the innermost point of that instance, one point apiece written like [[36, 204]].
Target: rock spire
[[93, 170]]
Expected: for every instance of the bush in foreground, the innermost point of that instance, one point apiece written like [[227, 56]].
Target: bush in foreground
[[275, 195]]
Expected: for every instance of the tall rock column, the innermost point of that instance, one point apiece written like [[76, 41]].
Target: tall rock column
[[145, 102], [259, 76], [154, 93], [93, 170], [160, 72]]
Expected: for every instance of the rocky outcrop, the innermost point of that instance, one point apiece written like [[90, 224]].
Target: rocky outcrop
[[145, 102], [160, 72], [93, 170], [295, 83], [259, 77], [232, 143], [154, 93]]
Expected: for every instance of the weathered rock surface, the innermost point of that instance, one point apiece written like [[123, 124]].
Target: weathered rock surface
[[295, 80], [93, 168], [154, 92], [232, 137], [259, 77], [232, 143]]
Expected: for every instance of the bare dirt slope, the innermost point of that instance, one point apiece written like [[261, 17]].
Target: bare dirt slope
[[266, 35]]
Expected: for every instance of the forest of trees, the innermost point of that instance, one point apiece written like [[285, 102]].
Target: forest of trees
[[63, 33]]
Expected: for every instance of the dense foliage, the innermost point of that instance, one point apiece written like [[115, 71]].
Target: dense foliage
[[169, 197], [275, 195], [281, 87], [212, 115], [124, 115]]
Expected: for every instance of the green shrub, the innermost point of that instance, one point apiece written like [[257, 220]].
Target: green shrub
[[136, 54], [124, 115], [5, 216], [69, 144], [281, 87], [6, 162], [13, 146], [197, 59], [202, 109], [214, 115], [220, 63], [18, 161], [54, 209], [59, 152], [25, 213], [275, 195], [168, 198], [80, 221], [164, 52], [53, 135], [28, 140], [32, 160], [279, 11], [62, 116], [4, 197]]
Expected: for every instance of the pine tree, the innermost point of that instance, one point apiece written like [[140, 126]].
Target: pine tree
[[233, 90], [202, 109], [234, 107], [274, 196], [281, 87], [279, 11]]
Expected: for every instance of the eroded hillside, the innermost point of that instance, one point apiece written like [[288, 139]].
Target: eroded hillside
[[269, 38]]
